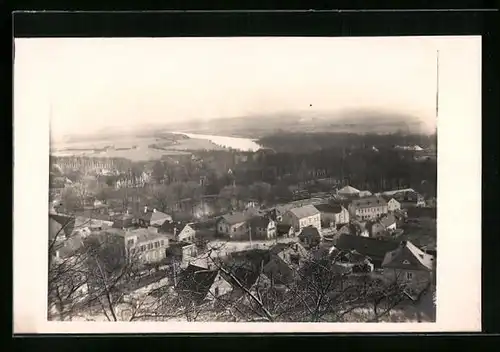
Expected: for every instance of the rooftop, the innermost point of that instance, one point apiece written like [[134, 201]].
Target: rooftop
[[304, 211], [374, 248], [369, 202], [408, 256], [348, 190], [195, 282], [329, 208]]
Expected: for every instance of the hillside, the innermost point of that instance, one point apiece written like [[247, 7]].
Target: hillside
[[258, 126]]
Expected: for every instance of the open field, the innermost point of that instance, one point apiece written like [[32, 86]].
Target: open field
[[130, 147]]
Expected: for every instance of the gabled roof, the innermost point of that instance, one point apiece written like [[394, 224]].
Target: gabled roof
[[304, 211], [170, 226], [408, 256], [57, 221], [370, 247], [388, 220], [369, 202], [310, 231], [329, 208], [70, 246], [348, 190], [154, 216], [235, 218], [246, 277], [283, 229], [260, 222], [195, 282], [393, 192]]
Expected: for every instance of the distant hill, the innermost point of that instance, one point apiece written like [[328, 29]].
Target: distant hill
[[353, 121]]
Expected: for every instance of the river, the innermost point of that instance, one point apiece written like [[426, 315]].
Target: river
[[244, 144]]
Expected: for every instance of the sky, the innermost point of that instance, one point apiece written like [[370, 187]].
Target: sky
[[89, 84]]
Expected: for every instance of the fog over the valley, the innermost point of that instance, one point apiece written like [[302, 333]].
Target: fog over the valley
[[94, 84]]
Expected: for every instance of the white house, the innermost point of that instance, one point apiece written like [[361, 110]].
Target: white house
[[368, 208], [301, 217]]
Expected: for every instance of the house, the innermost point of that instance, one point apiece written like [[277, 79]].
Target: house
[[262, 227], [376, 229], [61, 226], [408, 197], [64, 249], [365, 193], [373, 248], [310, 236], [408, 264], [354, 260], [124, 221], [198, 284], [332, 214], [284, 230], [145, 246], [183, 252], [392, 204], [368, 208], [95, 222], [348, 191], [179, 231], [234, 225], [394, 192], [152, 217], [293, 254], [301, 217], [389, 222]]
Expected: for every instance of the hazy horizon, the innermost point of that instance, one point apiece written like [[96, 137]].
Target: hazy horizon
[[91, 84]]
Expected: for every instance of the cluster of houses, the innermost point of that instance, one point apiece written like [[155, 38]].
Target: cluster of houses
[[351, 229]]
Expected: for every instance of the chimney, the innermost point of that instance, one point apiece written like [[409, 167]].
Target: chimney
[[154, 210], [403, 244], [145, 209]]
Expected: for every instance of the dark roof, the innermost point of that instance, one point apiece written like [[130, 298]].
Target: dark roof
[[56, 221], [370, 247], [153, 215], [283, 229], [329, 208], [408, 256], [310, 231], [170, 226], [247, 277], [388, 220], [235, 218], [259, 222], [369, 202], [195, 282]]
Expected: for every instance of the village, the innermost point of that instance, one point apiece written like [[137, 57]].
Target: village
[[387, 236]]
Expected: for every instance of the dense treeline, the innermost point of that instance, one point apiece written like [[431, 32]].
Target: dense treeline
[[306, 142]]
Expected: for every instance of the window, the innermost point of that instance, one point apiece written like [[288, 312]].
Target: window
[[150, 246], [216, 291], [143, 248], [406, 262], [130, 242], [162, 242], [409, 276], [157, 244]]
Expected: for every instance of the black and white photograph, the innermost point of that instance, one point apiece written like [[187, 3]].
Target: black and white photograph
[[247, 180]]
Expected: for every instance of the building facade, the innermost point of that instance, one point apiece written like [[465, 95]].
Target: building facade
[[302, 217], [369, 208]]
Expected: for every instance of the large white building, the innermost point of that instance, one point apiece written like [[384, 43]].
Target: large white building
[[368, 208], [301, 217]]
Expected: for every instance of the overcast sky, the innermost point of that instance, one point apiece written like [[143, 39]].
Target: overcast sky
[[99, 82]]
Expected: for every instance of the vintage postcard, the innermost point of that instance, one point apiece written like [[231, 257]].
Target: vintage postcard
[[247, 184]]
